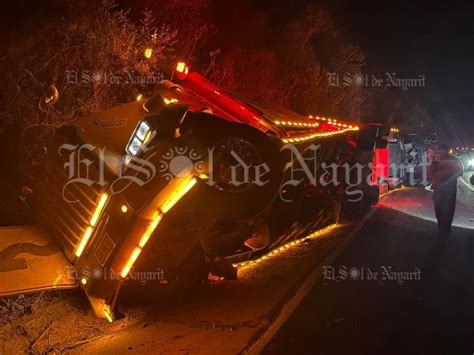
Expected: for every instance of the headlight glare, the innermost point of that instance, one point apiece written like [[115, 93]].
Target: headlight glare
[[135, 146], [142, 130], [141, 136]]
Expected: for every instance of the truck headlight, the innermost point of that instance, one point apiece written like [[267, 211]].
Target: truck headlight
[[134, 146], [142, 130], [139, 138]]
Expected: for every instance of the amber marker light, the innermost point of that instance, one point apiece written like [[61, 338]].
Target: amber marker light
[[85, 238], [177, 194], [128, 266], [181, 67], [182, 70], [108, 314], [169, 101], [150, 229], [93, 221], [148, 53], [98, 209], [180, 191]]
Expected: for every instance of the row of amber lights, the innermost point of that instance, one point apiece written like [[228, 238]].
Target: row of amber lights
[[296, 242], [286, 247], [183, 188], [394, 130], [333, 122], [296, 124], [307, 137], [92, 223]]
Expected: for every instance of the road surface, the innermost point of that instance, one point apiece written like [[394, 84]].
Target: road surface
[[357, 309]]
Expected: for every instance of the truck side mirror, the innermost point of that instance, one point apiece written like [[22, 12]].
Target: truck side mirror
[[472, 179]]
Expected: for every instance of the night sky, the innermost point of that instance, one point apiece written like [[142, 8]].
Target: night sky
[[423, 37], [409, 38], [412, 38]]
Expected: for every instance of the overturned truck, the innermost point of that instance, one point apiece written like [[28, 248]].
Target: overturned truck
[[159, 192]]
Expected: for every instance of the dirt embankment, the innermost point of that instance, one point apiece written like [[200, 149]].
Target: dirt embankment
[[50, 322]]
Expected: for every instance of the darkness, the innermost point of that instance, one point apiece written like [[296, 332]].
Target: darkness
[[423, 37], [412, 38], [407, 38]]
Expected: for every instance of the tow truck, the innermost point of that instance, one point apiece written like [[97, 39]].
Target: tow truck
[[164, 190]]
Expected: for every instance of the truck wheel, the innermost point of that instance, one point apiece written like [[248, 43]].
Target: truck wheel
[[245, 166]]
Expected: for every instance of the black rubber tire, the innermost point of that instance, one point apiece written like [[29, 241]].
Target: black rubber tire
[[226, 205]]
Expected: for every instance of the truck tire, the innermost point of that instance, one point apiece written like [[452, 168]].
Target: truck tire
[[240, 185]]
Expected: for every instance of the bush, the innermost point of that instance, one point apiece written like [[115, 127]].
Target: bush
[[94, 58]]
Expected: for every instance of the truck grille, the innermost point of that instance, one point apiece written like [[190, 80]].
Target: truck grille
[[63, 206]]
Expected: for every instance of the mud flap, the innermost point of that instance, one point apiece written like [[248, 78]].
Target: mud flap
[[30, 261]]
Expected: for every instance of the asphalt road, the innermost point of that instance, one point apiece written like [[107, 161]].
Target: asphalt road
[[357, 309]]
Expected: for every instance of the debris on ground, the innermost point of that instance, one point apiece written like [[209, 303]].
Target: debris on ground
[[49, 322]]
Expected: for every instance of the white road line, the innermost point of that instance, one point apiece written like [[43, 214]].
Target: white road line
[[287, 310]]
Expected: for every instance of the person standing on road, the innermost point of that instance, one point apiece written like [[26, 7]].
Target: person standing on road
[[444, 173]]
